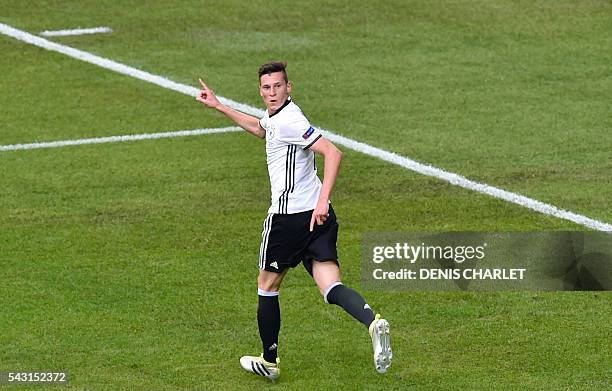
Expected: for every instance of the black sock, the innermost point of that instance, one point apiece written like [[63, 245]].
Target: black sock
[[268, 319], [352, 302]]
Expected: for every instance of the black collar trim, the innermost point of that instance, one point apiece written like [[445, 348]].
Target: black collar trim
[[282, 107]]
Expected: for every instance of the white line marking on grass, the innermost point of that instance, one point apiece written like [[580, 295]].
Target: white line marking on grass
[[64, 33], [117, 67], [462, 181], [117, 139], [405, 162]]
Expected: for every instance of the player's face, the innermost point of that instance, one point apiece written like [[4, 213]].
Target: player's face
[[274, 90]]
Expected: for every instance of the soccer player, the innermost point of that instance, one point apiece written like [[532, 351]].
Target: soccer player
[[301, 224]]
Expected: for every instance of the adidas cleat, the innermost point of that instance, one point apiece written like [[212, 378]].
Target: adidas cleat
[[381, 342], [261, 367]]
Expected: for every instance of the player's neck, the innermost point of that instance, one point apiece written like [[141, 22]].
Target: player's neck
[[280, 108]]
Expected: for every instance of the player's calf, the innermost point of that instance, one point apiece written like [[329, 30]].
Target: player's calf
[[351, 301]]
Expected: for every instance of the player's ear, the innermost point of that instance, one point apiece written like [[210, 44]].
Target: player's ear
[[289, 86]]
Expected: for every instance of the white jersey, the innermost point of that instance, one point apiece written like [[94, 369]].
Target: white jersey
[[291, 164]]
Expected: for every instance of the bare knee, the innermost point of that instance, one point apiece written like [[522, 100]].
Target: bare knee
[[326, 275], [269, 281]]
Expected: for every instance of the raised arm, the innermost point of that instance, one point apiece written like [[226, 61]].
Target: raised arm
[[245, 121], [331, 167]]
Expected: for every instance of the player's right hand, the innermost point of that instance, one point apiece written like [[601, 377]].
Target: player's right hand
[[207, 96]]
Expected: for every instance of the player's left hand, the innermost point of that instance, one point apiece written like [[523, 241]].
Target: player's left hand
[[319, 214]]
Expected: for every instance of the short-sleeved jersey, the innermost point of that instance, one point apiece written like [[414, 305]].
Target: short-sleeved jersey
[[291, 164]]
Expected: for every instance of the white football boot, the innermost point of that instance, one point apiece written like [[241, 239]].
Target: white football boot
[[381, 342], [261, 367]]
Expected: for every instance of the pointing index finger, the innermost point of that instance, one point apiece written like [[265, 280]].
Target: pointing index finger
[[203, 84]]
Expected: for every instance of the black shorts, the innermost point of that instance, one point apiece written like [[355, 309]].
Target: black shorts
[[287, 241]]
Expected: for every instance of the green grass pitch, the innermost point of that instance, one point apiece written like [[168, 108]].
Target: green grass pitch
[[132, 265]]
